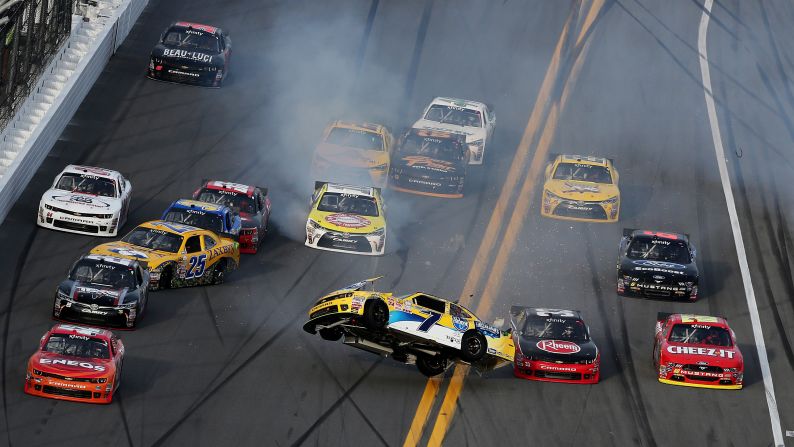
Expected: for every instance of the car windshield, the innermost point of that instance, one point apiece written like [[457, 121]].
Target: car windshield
[[582, 172], [103, 273], [77, 346], [557, 328], [334, 202], [154, 239], [231, 199], [200, 219], [655, 249], [431, 147], [458, 116], [700, 334], [355, 138], [87, 184], [191, 39]]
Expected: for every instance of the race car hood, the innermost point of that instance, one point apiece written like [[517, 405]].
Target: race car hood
[[422, 166], [349, 156], [472, 133], [100, 295], [584, 191], [557, 350], [725, 357], [121, 249], [658, 272], [187, 58], [81, 203], [75, 367], [347, 223]]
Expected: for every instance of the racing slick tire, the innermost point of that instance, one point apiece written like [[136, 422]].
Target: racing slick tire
[[166, 278], [376, 314], [218, 276], [431, 366], [331, 333], [473, 346]]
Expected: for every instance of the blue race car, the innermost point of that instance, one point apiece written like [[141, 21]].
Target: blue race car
[[209, 216]]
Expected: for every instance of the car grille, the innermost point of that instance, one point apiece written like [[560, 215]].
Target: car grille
[[71, 379], [64, 211], [582, 210], [80, 394], [342, 242], [702, 368], [88, 299], [76, 226], [204, 77], [326, 311], [558, 375]]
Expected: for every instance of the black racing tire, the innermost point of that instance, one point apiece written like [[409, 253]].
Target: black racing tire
[[166, 278], [431, 366], [473, 346], [376, 314], [219, 274], [331, 333]]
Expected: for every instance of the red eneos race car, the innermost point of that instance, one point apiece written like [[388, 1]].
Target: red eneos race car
[[76, 363], [252, 202], [698, 351], [553, 345]]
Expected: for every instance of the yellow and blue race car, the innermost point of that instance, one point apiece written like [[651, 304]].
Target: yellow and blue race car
[[581, 188], [417, 328], [176, 255]]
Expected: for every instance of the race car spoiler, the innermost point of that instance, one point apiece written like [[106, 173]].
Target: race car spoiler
[[662, 316], [361, 284], [319, 184]]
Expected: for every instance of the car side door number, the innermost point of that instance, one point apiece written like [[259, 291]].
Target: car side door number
[[196, 266], [429, 322]]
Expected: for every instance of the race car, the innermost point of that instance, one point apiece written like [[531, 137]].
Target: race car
[[346, 218], [76, 363], [353, 153], [191, 53], [417, 328], [252, 203], [657, 264], [553, 345], [86, 200], [473, 119], [431, 163], [698, 351], [177, 255], [581, 188], [104, 291], [217, 218]]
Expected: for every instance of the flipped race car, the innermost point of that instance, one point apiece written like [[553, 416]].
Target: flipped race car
[[581, 188], [430, 162], [354, 154], [346, 218], [86, 200], [191, 53], [473, 119], [252, 203], [657, 264], [76, 363], [416, 328], [553, 345], [103, 290], [218, 218], [177, 255], [698, 351]]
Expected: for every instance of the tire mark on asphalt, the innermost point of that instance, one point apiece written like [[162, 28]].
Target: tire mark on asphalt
[[120, 401], [302, 438], [413, 68], [362, 46], [205, 298]]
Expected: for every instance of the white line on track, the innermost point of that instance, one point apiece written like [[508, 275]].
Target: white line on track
[[749, 293]]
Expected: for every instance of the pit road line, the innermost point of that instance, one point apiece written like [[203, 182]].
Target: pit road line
[[741, 253]]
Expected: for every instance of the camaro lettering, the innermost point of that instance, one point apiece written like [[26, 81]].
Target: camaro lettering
[[423, 182], [711, 352], [184, 73]]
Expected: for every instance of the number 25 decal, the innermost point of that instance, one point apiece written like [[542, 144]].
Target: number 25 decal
[[429, 322], [196, 267]]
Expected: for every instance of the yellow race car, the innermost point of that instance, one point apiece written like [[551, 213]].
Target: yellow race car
[[353, 153], [581, 188], [177, 255], [346, 218], [416, 328]]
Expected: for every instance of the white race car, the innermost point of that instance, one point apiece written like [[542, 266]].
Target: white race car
[[86, 200], [473, 119]]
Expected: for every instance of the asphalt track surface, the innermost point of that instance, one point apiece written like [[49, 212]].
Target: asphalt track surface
[[229, 365]]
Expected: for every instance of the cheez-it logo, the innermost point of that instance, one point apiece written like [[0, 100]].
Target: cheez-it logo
[[712, 352]]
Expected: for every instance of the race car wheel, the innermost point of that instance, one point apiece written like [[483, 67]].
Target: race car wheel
[[331, 334], [376, 314], [166, 278], [473, 346], [431, 365], [218, 275]]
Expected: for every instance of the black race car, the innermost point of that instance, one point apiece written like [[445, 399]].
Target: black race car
[[656, 264], [430, 162], [191, 53], [104, 291]]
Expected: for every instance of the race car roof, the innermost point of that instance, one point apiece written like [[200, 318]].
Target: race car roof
[[198, 26], [540, 311], [457, 102], [367, 127], [660, 235], [351, 189], [588, 159], [437, 133], [698, 319], [169, 227], [188, 204], [91, 170], [111, 260], [74, 329], [238, 188]]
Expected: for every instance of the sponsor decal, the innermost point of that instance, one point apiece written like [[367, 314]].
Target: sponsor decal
[[711, 352], [348, 220], [123, 251], [558, 346], [556, 368], [220, 251], [487, 329], [79, 329], [424, 182], [423, 162], [82, 200], [69, 385], [183, 73], [575, 187], [658, 264], [79, 337], [460, 324], [85, 365], [184, 54], [236, 187]]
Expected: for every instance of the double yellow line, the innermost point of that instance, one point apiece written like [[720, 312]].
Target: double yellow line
[[546, 107]]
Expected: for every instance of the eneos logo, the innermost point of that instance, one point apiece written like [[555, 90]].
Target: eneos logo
[[558, 346], [348, 220]]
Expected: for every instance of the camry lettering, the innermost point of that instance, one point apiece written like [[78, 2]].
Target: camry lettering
[[691, 350]]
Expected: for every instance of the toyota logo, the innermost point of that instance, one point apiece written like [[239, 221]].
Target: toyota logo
[[94, 306]]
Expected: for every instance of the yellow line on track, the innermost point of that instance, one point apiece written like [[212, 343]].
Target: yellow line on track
[[422, 412]]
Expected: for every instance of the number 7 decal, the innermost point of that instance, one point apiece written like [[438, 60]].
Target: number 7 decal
[[429, 322]]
